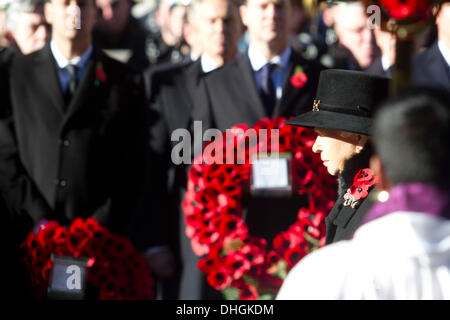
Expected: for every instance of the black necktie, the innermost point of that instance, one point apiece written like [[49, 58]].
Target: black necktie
[[72, 87], [268, 88]]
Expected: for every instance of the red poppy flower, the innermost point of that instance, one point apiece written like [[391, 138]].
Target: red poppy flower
[[231, 226], [286, 240], [237, 265], [293, 255], [364, 175], [299, 80], [219, 279], [270, 283], [198, 247], [210, 263], [247, 292], [359, 191], [100, 74], [403, 9], [254, 254]]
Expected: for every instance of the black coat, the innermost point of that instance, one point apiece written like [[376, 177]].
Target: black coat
[[431, 69], [178, 98], [235, 99], [342, 221], [87, 161]]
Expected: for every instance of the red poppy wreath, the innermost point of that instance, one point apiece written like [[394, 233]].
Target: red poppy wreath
[[115, 268], [243, 266], [406, 9]]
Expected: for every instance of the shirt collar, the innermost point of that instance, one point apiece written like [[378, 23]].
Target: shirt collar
[[385, 63], [258, 60], [63, 62], [208, 64], [445, 51]]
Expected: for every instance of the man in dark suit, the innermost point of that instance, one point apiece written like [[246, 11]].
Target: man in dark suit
[[258, 84], [178, 99], [75, 144], [432, 67]]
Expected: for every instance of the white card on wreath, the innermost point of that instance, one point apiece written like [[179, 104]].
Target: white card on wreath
[[68, 278], [271, 173]]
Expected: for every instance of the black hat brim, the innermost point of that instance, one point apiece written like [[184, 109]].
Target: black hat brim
[[333, 120]]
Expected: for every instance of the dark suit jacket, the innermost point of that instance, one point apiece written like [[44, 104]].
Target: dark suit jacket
[[178, 98], [431, 69], [235, 99], [377, 68], [342, 221], [88, 161]]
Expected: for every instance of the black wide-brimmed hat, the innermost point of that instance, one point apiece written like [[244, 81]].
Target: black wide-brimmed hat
[[345, 101]]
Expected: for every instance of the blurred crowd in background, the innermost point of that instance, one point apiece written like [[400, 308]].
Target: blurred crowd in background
[[148, 32], [163, 41]]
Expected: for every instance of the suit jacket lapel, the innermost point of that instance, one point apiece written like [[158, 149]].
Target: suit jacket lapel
[[192, 81], [46, 67], [438, 66], [290, 92], [245, 84], [83, 89], [179, 97]]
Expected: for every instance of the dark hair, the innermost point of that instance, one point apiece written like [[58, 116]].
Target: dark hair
[[411, 136]]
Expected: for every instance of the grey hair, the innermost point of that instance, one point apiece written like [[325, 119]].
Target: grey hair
[[194, 6], [16, 8]]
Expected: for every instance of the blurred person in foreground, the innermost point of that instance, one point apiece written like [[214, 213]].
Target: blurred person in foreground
[[402, 251], [342, 118], [432, 67], [178, 99]]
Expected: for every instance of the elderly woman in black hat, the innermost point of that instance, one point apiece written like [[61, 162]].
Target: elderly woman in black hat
[[342, 119]]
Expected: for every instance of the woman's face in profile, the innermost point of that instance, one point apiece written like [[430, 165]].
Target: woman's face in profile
[[336, 147]]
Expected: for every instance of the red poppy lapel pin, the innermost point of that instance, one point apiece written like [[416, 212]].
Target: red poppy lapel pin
[[100, 75], [359, 190], [299, 78]]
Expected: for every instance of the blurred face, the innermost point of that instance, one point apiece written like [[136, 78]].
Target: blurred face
[[335, 148], [176, 22], [71, 19], [220, 28], [443, 23], [31, 32], [353, 33], [267, 20], [2, 24], [113, 15]]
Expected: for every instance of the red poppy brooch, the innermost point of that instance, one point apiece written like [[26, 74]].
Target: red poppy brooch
[[299, 78], [359, 190], [100, 75]]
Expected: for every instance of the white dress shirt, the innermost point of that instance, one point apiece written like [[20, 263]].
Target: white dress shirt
[[208, 64], [62, 62], [258, 60], [445, 51], [403, 255], [385, 63]]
